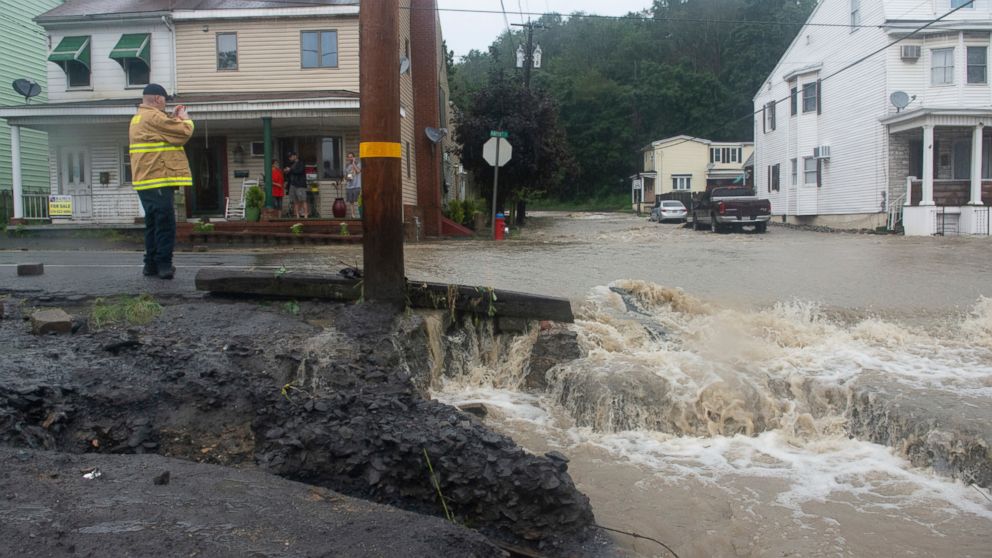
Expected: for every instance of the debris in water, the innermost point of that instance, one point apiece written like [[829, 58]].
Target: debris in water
[[162, 479]]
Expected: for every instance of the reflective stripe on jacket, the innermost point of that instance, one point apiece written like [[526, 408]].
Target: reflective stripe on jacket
[[156, 149]]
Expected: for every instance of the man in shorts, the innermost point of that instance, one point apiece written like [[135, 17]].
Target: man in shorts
[[296, 177]]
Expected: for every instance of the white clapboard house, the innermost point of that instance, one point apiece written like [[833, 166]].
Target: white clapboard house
[[897, 140]]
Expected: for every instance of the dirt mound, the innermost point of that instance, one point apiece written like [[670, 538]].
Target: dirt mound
[[238, 384]]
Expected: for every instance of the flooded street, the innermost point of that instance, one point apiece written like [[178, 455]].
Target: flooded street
[[713, 406]]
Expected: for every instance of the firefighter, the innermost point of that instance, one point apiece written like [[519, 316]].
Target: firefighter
[[159, 167]]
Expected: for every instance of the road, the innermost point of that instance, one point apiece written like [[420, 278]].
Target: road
[[569, 254]]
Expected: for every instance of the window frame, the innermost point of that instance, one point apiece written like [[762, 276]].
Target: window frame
[[127, 73], [815, 170], [126, 168], [237, 56], [961, 4], [775, 178], [68, 76], [814, 97], [984, 49], [770, 116], [933, 59], [320, 49], [856, 14], [685, 179], [793, 99], [715, 155]]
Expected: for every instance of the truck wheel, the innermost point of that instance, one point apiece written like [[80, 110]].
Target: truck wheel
[[761, 227]]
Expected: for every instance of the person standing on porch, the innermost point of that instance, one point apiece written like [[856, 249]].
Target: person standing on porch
[[297, 177], [159, 167], [278, 183], [354, 188]]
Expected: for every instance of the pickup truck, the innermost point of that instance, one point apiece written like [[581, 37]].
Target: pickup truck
[[723, 208]]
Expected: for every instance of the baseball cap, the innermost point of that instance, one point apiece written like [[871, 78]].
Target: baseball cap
[[156, 89]]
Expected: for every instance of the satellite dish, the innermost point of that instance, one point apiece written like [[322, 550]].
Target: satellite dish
[[404, 65], [436, 134], [899, 99], [26, 88]]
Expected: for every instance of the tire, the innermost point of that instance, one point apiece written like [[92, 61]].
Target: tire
[[761, 228]]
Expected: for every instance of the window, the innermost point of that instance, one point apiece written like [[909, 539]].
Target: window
[[810, 100], [715, 155], [227, 51], [330, 157], [138, 73], [72, 54], [942, 66], [959, 3], [125, 166], [795, 171], [770, 116], [774, 177], [810, 170], [977, 62], [319, 49], [794, 100], [681, 183], [78, 74], [856, 13], [409, 156]]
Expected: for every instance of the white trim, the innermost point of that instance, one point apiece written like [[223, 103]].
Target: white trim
[[812, 68], [201, 108], [266, 13]]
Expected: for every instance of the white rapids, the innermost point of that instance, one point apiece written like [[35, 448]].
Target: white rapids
[[722, 431]]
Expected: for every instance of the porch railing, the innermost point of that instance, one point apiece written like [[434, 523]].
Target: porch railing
[[35, 207], [950, 192], [895, 211]]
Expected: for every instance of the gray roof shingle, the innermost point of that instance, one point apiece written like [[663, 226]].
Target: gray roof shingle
[[82, 8]]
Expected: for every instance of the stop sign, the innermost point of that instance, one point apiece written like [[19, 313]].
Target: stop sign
[[489, 151]]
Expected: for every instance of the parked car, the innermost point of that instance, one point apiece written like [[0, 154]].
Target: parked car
[[724, 208], [669, 210]]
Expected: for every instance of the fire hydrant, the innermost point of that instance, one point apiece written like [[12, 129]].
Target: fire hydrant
[[500, 226]]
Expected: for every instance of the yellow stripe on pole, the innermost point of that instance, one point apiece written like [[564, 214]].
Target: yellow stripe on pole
[[380, 150]]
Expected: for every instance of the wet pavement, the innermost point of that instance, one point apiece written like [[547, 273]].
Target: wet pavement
[[569, 254]]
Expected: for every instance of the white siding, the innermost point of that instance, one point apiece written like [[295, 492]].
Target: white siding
[[114, 202], [854, 179], [107, 79]]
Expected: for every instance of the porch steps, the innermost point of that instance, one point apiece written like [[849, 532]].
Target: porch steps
[[451, 228], [265, 237]]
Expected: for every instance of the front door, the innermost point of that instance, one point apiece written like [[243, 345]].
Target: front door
[[208, 163], [74, 180]]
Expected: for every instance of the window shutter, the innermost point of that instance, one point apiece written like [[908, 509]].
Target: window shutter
[[819, 173], [819, 97], [764, 120], [769, 185]]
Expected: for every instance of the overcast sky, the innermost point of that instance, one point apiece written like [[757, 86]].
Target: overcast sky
[[466, 31]]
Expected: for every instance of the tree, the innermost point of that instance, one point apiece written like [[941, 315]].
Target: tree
[[541, 161]]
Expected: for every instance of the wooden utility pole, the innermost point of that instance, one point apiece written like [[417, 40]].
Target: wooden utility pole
[[380, 152], [529, 54]]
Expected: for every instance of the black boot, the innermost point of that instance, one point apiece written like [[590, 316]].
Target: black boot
[[149, 270], [167, 273]]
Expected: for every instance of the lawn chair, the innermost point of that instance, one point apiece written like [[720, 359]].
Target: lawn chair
[[234, 209]]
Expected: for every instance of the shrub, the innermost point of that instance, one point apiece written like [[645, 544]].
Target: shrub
[[254, 197]]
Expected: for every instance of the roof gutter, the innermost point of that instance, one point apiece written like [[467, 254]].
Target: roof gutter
[[264, 13], [83, 18]]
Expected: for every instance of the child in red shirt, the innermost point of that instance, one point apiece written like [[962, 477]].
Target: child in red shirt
[[278, 183]]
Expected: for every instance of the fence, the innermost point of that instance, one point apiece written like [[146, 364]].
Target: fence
[[6, 206], [35, 207]]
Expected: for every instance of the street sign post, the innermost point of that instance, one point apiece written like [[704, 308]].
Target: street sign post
[[497, 152]]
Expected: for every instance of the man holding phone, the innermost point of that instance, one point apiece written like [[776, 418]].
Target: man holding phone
[[159, 166]]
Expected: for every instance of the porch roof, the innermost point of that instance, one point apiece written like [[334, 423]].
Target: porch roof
[[203, 106], [917, 118]]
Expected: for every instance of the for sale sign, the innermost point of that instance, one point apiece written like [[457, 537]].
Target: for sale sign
[[60, 206]]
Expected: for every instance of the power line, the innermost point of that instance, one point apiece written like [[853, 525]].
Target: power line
[[506, 19]]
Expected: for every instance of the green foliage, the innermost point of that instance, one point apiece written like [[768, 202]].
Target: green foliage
[[203, 227], [137, 310], [343, 229], [296, 229], [292, 307], [471, 207], [455, 211], [680, 68], [254, 197]]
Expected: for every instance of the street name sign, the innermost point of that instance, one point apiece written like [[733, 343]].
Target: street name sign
[[499, 134]]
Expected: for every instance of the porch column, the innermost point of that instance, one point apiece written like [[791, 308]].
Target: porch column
[[267, 157], [15, 168], [976, 165], [928, 155]]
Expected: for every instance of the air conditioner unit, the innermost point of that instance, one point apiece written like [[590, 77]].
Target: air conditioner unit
[[910, 52], [821, 152]]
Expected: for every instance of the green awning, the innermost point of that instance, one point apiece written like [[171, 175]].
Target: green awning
[[72, 49], [133, 45]]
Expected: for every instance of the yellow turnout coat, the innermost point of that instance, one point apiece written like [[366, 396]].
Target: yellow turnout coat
[[156, 149]]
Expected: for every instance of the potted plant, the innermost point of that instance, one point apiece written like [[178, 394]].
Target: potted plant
[[254, 200]]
